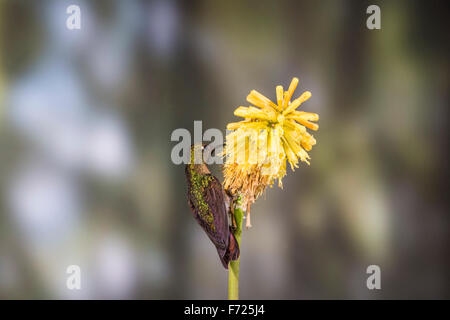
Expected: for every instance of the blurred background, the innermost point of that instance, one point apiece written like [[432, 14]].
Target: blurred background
[[86, 176]]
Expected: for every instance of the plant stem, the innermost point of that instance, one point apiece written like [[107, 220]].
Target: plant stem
[[233, 272]]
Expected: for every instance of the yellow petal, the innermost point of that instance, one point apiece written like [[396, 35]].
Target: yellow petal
[[236, 125], [261, 99], [312, 126], [290, 154], [248, 125], [281, 174], [257, 102], [292, 143], [304, 118], [298, 150], [257, 125], [308, 141], [309, 116], [253, 113], [290, 92], [280, 100], [298, 128], [294, 104]]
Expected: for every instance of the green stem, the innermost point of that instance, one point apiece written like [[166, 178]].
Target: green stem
[[233, 272]]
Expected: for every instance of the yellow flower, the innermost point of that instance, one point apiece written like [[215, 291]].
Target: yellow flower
[[258, 147]]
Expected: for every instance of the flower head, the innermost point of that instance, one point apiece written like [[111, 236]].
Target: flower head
[[271, 134]]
